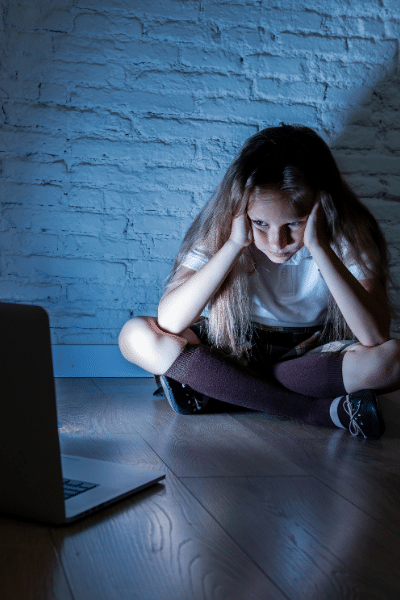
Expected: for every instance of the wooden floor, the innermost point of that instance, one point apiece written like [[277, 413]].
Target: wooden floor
[[252, 507]]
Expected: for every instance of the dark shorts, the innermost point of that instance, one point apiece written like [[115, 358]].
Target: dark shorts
[[271, 345]]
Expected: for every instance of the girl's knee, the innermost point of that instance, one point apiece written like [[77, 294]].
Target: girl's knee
[[133, 334], [393, 356], [143, 343], [386, 363], [375, 367]]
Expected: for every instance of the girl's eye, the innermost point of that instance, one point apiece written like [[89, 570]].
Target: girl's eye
[[264, 224]]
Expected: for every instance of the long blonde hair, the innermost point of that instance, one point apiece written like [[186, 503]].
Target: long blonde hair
[[293, 160]]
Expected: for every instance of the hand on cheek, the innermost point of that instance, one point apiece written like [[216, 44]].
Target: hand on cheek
[[315, 230]]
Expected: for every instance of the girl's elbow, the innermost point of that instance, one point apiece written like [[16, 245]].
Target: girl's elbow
[[168, 323]]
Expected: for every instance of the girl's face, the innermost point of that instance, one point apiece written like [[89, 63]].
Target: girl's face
[[278, 228]]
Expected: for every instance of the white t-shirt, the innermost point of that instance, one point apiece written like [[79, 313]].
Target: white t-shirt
[[292, 294]]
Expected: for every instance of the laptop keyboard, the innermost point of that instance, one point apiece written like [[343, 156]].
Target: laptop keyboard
[[73, 488]]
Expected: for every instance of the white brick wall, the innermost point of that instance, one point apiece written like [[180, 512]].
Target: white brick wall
[[118, 117]]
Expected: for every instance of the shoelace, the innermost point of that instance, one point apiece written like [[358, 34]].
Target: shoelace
[[354, 427]]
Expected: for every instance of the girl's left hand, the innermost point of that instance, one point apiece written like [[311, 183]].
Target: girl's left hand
[[314, 233]]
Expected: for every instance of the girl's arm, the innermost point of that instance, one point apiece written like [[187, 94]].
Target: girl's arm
[[180, 307], [363, 303]]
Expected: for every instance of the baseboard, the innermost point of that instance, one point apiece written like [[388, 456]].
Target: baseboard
[[93, 361]]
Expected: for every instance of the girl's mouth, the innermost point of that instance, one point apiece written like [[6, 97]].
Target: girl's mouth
[[280, 255]]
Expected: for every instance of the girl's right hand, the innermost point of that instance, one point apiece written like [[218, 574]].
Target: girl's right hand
[[241, 232]]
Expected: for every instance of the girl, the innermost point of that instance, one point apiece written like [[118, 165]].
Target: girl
[[293, 270]]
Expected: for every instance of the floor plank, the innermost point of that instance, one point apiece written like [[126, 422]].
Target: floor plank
[[309, 540]]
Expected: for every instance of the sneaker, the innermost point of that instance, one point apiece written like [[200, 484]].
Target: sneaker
[[363, 410], [181, 397]]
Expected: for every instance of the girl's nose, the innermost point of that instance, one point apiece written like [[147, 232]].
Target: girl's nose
[[278, 239]]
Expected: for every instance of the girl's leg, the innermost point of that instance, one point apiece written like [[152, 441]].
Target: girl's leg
[[143, 343], [210, 373], [376, 367]]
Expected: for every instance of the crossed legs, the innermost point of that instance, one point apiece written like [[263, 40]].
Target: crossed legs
[[142, 342]]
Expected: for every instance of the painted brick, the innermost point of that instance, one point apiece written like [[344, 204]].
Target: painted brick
[[60, 221], [342, 26], [182, 30], [240, 37], [101, 247], [147, 52], [392, 6], [143, 101], [373, 27], [273, 89], [181, 178], [393, 27], [147, 152], [11, 291], [17, 141], [73, 336], [232, 12], [102, 175], [367, 186], [86, 198], [356, 136], [201, 82], [29, 171], [53, 92], [187, 9], [154, 223], [54, 119], [152, 271], [201, 129], [122, 296], [130, 52], [274, 65], [211, 58], [161, 201], [277, 19], [58, 21], [41, 268], [356, 72], [101, 25], [373, 165], [393, 187], [36, 44], [89, 319], [164, 247], [88, 73], [266, 113], [17, 89], [16, 194], [334, 7], [313, 43], [22, 242], [23, 16], [372, 49]]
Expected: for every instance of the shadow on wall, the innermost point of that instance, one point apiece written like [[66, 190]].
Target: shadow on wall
[[368, 153]]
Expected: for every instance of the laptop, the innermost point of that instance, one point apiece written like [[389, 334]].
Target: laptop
[[33, 473]]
